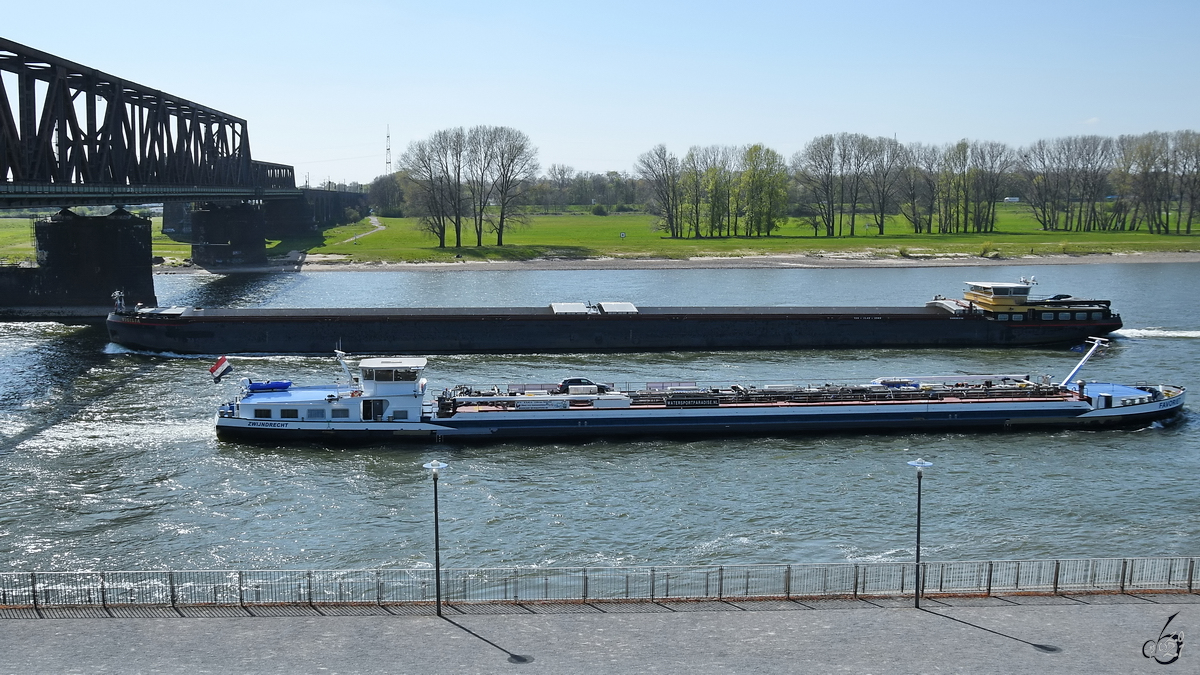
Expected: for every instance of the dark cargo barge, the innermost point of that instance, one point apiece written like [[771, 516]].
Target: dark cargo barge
[[990, 314]]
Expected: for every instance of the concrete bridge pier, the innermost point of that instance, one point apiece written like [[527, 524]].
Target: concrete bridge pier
[[289, 218], [81, 260], [229, 234], [177, 220]]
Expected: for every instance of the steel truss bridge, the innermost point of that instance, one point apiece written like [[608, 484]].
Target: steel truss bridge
[[72, 135]]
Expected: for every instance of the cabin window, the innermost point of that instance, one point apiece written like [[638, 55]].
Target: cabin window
[[1081, 316], [1018, 317], [999, 291], [400, 414], [289, 414], [1020, 291], [262, 413], [1047, 316], [368, 373], [315, 413], [1064, 316], [341, 413], [384, 375], [406, 376], [1096, 316], [1002, 317]]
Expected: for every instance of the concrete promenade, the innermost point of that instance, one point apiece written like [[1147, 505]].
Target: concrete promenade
[[1012, 634]]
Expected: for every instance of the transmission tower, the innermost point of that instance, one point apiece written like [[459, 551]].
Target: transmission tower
[[388, 152]]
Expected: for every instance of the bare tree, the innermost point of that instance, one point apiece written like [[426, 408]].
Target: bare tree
[[516, 167], [661, 170], [853, 150], [989, 162], [817, 168], [916, 202], [1093, 163], [885, 160], [435, 167], [1187, 148], [479, 169], [694, 192], [421, 169]]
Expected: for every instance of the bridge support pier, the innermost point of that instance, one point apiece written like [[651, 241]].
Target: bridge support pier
[[81, 260], [177, 220], [289, 218], [229, 235]]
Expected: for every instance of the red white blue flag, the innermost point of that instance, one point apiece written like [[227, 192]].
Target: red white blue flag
[[220, 369]]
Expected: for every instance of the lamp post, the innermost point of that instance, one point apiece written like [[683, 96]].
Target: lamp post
[[435, 466], [920, 464]]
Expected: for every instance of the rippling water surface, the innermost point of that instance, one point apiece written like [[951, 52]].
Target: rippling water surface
[[110, 461]]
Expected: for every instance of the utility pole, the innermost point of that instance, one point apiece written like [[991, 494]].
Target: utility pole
[[388, 152]]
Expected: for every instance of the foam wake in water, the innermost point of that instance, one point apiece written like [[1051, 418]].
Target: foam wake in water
[[1156, 333]]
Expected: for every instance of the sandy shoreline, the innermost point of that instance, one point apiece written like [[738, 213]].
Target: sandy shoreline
[[794, 261]]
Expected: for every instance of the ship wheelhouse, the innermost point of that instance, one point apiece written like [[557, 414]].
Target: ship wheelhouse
[[1012, 302]]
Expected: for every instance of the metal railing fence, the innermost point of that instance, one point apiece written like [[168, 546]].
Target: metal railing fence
[[584, 584]]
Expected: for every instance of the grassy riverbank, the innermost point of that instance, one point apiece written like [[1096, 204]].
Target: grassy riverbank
[[584, 236], [587, 236]]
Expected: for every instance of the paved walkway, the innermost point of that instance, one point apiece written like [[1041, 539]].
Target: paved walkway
[[379, 227], [1027, 634]]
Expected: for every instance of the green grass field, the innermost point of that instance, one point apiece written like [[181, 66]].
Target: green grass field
[[16, 240], [578, 236], [588, 236]]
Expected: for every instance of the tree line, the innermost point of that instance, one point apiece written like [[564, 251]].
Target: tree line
[[838, 185]]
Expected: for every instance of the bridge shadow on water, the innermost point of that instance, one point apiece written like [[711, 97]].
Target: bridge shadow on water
[[246, 289]]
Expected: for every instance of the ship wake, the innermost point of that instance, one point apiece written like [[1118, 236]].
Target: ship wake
[[1156, 333]]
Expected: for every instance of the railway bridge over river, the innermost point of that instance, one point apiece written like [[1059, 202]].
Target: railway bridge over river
[[71, 136]]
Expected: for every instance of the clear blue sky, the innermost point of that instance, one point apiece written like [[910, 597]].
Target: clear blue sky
[[596, 84]]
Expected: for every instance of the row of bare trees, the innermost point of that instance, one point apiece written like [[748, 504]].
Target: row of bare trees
[[1079, 183], [474, 177], [1087, 183], [717, 191]]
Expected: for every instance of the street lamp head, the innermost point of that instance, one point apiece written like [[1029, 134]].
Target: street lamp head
[[435, 465], [920, 464]]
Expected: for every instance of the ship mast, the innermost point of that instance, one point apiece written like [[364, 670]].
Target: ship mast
[[1096, 344]]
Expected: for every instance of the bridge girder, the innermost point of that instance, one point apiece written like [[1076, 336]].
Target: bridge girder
[[77, 127]]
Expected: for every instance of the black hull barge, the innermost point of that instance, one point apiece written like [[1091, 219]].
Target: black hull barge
[[989, 315]]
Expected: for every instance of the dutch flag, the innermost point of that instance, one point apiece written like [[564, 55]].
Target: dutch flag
[[220, 368]]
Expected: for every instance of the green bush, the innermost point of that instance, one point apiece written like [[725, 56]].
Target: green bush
[[599, 210]]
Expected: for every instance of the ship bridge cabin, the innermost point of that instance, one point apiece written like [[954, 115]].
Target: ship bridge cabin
[[392, 389], [392, 377], [1011, 301], [994, 295]]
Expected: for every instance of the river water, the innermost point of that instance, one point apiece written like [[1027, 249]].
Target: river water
[[109, 460]]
